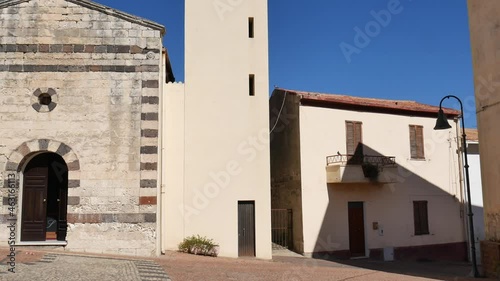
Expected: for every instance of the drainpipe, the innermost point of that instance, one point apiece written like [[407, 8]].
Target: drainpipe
[[461, 180], [160, 185]]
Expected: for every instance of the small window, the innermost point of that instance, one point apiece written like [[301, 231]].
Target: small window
[[354, 142], [251, 86], [250, 28], [420, 217], [417, 142], [44, 99]]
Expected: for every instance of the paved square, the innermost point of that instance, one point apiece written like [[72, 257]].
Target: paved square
[[78, 268]]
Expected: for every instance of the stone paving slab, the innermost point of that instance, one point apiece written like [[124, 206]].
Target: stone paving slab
[[79, 268]]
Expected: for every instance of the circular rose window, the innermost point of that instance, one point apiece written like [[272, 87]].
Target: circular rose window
[[44, 100]]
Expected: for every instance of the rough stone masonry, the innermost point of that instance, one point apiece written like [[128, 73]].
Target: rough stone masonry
[[82, 80]]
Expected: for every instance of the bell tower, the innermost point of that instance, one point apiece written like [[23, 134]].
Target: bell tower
[[227, 161]]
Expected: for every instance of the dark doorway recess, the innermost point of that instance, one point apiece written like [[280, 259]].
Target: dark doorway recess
[[45, 199], [356, 229]]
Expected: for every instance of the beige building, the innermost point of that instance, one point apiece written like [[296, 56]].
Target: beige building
[[485, 42], [215, 144], [366, 177], [79, 103]]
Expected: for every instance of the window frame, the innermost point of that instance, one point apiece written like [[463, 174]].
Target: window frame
[[354, 142], [417, 149], [421, 217]]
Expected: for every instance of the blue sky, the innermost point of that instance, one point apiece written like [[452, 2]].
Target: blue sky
[[421, 53]]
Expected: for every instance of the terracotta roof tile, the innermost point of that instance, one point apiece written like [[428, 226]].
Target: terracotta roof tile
[[398, 105], [472, 134]]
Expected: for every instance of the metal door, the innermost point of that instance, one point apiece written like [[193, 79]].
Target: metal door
[[246, 229]]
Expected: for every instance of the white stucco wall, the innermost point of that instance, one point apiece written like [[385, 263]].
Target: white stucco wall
[[225, 140], [172, 150], [476, 190], [434, 179]]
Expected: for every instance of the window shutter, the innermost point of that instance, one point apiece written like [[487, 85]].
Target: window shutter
[[420, 141], [413, 142], [358, 148], [350, 137], [417, 142], [354, 141]]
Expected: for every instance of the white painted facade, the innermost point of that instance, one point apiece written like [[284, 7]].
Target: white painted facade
[[434, 179], [301, 178], [215, 146]]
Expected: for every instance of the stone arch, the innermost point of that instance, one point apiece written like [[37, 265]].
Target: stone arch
[[27, 150]]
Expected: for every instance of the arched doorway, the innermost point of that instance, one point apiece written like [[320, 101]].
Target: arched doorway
[[44, 198]]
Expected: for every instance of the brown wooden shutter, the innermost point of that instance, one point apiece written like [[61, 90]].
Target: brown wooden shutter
[[353, 136], [420, 141], [354, 142], [413, 142], [350, 137], [417, 142], [358, 139]]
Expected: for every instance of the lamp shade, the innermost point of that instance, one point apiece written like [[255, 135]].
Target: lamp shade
[[442, 121]]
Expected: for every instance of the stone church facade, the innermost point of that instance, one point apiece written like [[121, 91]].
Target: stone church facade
[[79, 110]]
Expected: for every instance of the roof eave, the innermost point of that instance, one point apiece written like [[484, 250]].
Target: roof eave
[[306, 99], [384, 110], [100, 8]]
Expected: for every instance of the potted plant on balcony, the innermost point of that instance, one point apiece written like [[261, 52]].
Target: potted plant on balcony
[[370, 170]]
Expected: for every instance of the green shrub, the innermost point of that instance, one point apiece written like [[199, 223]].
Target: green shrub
[[198, 245]]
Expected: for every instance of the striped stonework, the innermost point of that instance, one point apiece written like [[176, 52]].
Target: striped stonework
[[149, 136], [75, 48], [25, 151]]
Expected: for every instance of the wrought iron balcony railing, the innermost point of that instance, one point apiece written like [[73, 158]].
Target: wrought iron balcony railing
[[350, 159]]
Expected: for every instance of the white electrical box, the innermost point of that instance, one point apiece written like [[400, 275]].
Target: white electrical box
[[389, 254]]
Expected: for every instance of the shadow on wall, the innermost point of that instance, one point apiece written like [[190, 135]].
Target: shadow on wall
[[286, 191], [364, 218]]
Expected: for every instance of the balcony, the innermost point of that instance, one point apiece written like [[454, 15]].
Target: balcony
[[361, 169]]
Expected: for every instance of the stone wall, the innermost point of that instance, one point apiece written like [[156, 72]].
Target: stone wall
[[490, 255], [102, 69]]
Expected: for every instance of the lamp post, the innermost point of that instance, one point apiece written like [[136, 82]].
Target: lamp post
[[442, 124]]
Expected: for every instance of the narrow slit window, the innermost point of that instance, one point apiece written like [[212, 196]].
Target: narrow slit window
[[250, 28], [251, 85]]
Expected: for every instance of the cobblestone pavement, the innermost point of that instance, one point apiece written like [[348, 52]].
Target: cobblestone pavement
[[36, 265], [79, 268]]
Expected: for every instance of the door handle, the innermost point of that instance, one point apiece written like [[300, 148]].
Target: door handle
[[58, 200], [44, 200]]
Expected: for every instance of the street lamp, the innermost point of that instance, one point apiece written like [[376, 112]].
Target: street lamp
[[442, 124]]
